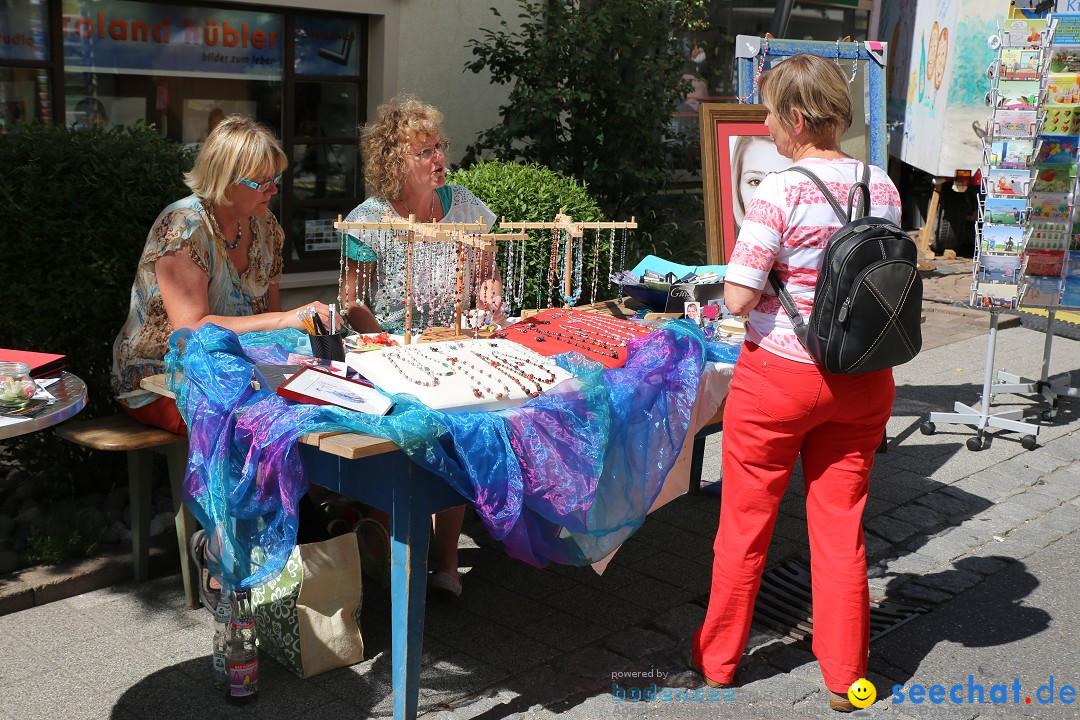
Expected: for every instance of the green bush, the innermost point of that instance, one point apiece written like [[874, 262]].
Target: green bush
[[533, 193], [75, 209]]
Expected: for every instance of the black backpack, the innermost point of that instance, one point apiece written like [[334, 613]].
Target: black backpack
[[868, 299]]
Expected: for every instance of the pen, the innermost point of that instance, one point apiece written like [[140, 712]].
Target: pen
[[318, 324], [333, 312]]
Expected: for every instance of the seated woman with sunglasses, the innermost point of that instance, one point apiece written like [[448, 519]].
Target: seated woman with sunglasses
[[404, 159], [213, 257]]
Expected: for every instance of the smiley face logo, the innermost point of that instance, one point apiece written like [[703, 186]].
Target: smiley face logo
[[862, 693]]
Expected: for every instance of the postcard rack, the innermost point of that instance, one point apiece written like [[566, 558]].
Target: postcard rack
[[410, 231], [1004, 230]]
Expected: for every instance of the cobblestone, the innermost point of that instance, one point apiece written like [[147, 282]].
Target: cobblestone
[[893, 530], [639, 642], [949, 502], [919, 516], [952, 581], [921, 593], [1063, 485], [944, 548]]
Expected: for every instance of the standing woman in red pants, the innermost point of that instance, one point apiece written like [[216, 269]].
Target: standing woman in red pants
[[782, 405]]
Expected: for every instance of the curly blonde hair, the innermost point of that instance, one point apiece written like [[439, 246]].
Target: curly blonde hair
[[384, 144], [237, 147]]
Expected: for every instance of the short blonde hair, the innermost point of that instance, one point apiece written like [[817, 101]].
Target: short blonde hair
[[238, 147], [815, 86], [384, 143]]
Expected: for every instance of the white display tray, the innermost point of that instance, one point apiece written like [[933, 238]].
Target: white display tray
[[454, 391]]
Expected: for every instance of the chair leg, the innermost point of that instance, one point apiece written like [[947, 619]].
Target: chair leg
[[176, 455], [140, 484]]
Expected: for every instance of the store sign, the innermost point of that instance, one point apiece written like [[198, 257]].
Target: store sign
[[24, 30], [147, 39]]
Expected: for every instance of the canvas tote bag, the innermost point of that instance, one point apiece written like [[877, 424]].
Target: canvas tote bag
[[308, 618]]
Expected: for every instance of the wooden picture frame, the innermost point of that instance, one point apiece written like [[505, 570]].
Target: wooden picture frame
[[723, 126]]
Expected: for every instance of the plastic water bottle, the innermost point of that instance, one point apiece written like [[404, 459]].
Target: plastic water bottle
[[222, 616], [241, 656]]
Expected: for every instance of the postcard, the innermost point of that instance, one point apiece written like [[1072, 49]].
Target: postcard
[[1067, 30], [1064, 59], [317, 387], [1070, 296], [1019, 64], [1052, 207], [1005, 182], [1004, 211], [1044, 263], [1062, 89], [1041, 291], [1023, 33], [1014, 123], [1001, 239], [1018, 94], [1000, 297], [1011, 154], [998, 269], [1061, 120], [1047, 235], [1054, 178], [1057, 149]]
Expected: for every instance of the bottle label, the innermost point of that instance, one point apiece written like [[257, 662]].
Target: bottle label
[[244, 622], [219, 663], [244, 679]]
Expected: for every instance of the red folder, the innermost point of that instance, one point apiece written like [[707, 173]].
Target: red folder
[[41, 364]]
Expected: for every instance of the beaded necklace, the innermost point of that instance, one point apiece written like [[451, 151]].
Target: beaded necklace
[[588, 344], [596, 265], [591, 322], [216, 229], [476, 375], [432, 378], [554, 264], [520, 363], [579, 253]]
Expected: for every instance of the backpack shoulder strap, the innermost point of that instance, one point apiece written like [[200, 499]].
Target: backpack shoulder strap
[[844, 217], [864, 200]]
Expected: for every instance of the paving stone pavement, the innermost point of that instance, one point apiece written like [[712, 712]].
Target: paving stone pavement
[[943, 524]]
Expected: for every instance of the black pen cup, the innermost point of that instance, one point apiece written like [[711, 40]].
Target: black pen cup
[[328, 347]]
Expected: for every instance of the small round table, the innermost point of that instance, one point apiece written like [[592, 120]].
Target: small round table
[[70, 394]]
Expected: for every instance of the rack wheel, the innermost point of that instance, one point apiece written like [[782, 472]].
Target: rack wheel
[[975, 444], [1029, 442], [927, 428]]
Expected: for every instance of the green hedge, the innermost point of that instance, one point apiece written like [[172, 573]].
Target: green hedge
[[75, 209], [533, 193]]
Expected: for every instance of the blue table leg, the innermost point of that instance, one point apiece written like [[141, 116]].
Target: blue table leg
[[410, 494], [410, 525]]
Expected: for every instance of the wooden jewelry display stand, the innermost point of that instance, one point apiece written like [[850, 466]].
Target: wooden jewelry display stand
[[573, 229], [467, 234]]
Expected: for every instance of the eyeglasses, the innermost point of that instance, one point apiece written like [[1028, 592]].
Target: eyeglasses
[[443, 147], [260, 187]]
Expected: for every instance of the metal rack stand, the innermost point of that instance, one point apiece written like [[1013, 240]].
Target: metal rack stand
[[981, 418], [1051, 388]]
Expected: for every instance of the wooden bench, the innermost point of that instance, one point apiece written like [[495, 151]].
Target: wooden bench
[[123, 433]]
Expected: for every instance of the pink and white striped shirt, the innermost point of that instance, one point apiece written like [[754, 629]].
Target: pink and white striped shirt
[[787, 226]]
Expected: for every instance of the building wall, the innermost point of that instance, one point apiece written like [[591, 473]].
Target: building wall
[[433, 50]]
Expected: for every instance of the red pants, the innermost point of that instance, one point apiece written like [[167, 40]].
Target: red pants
[[777, 409], [161, 413]]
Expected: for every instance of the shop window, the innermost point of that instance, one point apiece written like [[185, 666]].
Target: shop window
[[24, 97]]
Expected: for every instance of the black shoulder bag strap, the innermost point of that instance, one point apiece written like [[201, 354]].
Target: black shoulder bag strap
[[788, 303]]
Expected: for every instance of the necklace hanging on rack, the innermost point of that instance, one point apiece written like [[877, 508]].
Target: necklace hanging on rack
[[854, 62], [397, 359], [759, 66], [552, 269], [579, 261], [519, 293], [508, 273], [595, 265]]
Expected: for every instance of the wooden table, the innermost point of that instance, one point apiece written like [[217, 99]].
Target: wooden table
[[70, 394], [377, 472]]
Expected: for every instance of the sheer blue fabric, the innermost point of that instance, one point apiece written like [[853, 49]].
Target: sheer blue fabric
[[565, 478]]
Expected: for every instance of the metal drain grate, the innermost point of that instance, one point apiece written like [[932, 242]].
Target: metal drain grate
[[783, 605]]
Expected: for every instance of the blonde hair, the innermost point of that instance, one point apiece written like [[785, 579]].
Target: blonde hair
[[238, 147], [384, 143], [815, 86]]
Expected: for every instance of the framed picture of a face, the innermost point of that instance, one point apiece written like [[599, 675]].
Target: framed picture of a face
[[736, 155]]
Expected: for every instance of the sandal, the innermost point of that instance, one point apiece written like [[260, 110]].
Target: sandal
[[208, 595], [376, 565]]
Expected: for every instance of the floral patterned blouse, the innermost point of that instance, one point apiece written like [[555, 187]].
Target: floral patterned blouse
[[184, 226]]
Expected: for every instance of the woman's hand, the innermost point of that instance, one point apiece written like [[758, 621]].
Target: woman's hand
[[292, 317]]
